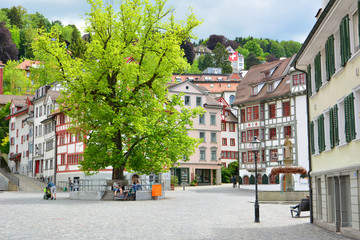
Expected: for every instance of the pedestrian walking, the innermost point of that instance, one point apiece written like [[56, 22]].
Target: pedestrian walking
[[70, 185], [234, 181]]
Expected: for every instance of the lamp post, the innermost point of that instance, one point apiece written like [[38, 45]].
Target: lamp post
[[255, 146]]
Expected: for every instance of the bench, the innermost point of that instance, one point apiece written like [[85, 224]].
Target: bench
[[303, 206]]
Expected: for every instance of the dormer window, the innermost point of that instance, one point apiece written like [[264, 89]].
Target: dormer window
[[254, 90], [178, 79], [190, 78], [271, 87], [219, 78], [267, 74]]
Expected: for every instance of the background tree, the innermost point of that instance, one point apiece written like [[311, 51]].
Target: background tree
[[254, 48], [4, 129], [271, 58], [221, 58], [8, 49], [206, 61], [290, 47], [15, 80], [16, 14], [189, 51], [232, 43], [276, 49], [251, 60], [243, 51], [119, 87], [214, 40], [193, 68]]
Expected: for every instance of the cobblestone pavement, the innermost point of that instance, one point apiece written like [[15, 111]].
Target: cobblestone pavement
[[212, 212]]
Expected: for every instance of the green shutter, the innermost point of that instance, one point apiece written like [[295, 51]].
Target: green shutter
[[345, 40], [332, 55], [347, 119], [331, 123], [359, 20], [308, 78], [312, 137], [351, 116], [336, 125], [317, 64], [327, 60], [347, 36], [321, 137]]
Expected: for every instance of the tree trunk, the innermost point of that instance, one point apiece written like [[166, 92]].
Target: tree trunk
[[118, 173]]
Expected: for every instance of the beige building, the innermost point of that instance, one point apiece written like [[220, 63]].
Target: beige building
[[205, 164], [330, 56]]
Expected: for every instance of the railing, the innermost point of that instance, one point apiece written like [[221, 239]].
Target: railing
[[85, 185], [10, 176]]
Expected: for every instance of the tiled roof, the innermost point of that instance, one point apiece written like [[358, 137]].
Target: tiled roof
[[53, 94], [231, 118], [218, 87], [25, 65], [256, 75], [19, 101]]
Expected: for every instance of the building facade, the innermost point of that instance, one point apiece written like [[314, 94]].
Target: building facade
[[271, 105], [330, 56], [205, 163]]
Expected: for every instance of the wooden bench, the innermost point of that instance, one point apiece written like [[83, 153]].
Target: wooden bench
[[303, 206]]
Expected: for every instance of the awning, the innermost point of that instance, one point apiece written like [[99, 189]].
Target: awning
[[15, 156]]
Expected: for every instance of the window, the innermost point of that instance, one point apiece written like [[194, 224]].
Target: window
[[12, 141], [295, 78], [273, 155], [272, 111], [250, 156], [232, 141], [187, 100], [223, 126], [62, 139], [254, 90], [213, 154], [198, 101], [224, 142], [202, 154], [256, 113], [213, 137], [40, 111], [312, 138], [243, 157], [201, 118], [345, 53], [36, 112], [251, 134], [329, 57], [287, 131], [202, 135], [232, 127], [12, 126], [212, 119], [271, 87], [62, 119], [17, 132], [73, 159], [286, 109], [232, 99], [63, 159], [243, 137], [242, 115], [252, 113], [272, 134]]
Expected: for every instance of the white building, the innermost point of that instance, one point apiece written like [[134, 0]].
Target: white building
[[271, 105]]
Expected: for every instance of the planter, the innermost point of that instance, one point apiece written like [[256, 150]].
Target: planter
[[172, 187]]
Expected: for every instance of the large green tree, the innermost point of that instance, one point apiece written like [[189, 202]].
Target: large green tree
[[15, 80], [117, 95], [4, 129], [221, 58]]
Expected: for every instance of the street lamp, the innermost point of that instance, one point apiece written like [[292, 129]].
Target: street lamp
[[255, 147]]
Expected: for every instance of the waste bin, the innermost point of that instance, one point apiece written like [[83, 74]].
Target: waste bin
[[156, 190]]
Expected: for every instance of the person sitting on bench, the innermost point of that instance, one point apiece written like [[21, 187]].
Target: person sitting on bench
[[297, 207], [117, 188]]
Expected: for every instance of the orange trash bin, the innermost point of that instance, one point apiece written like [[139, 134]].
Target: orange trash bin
[[156, 190]]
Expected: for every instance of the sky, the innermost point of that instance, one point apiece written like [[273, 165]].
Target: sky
[[275, 19]]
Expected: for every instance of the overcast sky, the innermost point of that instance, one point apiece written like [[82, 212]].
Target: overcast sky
[[274, 19]]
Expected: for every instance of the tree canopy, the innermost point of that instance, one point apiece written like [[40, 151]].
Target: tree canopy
[[116, 94], [8, 49]]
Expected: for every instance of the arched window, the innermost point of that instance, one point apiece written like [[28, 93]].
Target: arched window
[[272, 179], [246, 179], [232, 99]]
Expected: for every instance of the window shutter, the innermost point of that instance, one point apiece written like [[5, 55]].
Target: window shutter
[[331, 122], [321, 132], [347, 38], [308, 78], [312, 137], [317, 64], [342, 42], [347, 119], [327, 61], [351, 116], [332, 56], [336, 125]]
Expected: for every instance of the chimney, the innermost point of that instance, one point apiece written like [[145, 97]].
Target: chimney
[[1, 77]]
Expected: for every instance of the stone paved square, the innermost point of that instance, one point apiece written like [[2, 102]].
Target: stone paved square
[[209, 212]]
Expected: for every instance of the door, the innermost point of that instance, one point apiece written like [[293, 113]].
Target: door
[[37, 167]]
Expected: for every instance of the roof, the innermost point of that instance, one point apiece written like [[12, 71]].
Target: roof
[[19, 100], [53, 94], [25, 65], [231, 118], [202, 48], [255, 76], [217, 87]]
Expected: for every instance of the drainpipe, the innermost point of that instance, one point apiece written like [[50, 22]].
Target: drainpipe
[[55, 150], [309, 144]]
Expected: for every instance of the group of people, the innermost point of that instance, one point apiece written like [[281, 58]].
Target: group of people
[[118, 189]]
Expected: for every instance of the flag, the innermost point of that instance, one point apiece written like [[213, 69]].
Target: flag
[[233, 57]]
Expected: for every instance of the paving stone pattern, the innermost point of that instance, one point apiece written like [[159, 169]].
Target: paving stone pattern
[[211, 212]]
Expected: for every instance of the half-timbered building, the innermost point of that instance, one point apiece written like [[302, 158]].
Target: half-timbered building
[[272, 105]]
